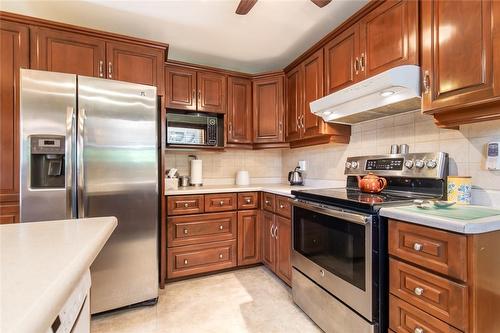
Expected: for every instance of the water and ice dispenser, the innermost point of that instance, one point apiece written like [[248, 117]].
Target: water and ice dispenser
[[47, 161]]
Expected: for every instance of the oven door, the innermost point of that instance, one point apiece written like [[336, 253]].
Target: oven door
[[333, 248]]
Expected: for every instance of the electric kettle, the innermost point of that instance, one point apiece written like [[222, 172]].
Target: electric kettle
[[295, 177]]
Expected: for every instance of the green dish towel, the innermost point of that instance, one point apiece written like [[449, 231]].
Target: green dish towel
[[455, 212]]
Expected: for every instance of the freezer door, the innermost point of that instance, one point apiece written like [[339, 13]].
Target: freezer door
[[118, 176], [47, 116]]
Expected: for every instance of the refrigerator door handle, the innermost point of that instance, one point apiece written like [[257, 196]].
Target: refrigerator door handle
[[80, 168], [69, 163]]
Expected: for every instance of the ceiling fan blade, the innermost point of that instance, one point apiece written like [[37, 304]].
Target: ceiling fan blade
[[321, 3], [245, 6]]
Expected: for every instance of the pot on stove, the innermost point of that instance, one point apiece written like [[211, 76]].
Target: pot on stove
[[371, 183]]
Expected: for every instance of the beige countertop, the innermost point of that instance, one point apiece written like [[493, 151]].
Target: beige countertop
[[41, 263], [280, 189], [471, 226]]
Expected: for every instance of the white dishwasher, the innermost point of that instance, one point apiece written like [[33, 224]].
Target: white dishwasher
[[74, 317]]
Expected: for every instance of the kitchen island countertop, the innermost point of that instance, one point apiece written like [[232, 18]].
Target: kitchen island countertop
[[41, 263]]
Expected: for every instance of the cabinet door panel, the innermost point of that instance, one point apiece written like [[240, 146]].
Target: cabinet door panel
[[67, 52], [340, 57], [294, 94], [239, 110], [134, 63], [14, 54], [457, 52], [268, 243], [180, 87], [389, 36], [284, 249], [249, 236], [211, 92], [268, 109], [313, 90], [9, 213]]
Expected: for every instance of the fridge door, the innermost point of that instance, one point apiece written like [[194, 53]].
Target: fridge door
[[47, 116], [117, 171]]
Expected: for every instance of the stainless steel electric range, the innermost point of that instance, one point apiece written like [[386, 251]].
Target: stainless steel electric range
[[340, 260]]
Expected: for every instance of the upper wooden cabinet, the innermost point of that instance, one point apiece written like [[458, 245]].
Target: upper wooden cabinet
[[389, 37], [313, 90], [76, 53], [294, 109], [460, 64], [239, 110], [134, 63], [67, 52], [268, 109], [14, 54], [189, 89]]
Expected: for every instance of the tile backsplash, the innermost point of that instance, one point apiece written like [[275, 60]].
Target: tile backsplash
[[466, 147]]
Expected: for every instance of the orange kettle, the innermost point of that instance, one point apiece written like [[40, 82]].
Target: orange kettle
[[371, 183]]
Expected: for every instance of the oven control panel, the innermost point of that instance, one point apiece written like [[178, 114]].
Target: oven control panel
[[421, 165]]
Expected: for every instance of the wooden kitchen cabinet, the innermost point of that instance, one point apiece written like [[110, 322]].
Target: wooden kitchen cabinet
[[14, 55], [134, 63], [389, 37], [268, 243], [190, 89], [239, 110], [249, 237], [461, 70], [268, 114], [283, 239], [313, 90], [68, 52], [294, 103]]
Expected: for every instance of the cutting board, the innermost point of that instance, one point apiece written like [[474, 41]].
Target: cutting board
[[455, 212]]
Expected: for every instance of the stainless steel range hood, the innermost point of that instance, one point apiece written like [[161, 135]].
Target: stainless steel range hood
[[391, 92]]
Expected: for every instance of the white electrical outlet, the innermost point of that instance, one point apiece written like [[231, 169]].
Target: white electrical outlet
[[493, 158], [303, 165]]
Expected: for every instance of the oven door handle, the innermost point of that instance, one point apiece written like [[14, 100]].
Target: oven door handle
[[362, 219]]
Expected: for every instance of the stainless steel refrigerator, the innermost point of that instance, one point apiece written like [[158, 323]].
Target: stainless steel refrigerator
[[89, 149]]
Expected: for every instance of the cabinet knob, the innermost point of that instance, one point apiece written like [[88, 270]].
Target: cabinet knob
[[185, 261], [418, 247], [427, 82], [418, 330], [267, 202], [110, 70], [185, 231], [322, 273], [221, 203], [418, 291], [221, 227], [281, 206], [186, 205], [221, 256], [248, 201], [101, 68]]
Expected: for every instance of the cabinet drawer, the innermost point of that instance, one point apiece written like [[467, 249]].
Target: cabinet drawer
[[283, 207], [268, 201], [196, 259], [441, 251], [248, 200], [440, 297], [220, 202], [185, 204], [405, 318], [201, 228]]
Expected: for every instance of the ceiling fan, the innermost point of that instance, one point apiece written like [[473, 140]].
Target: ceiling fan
[[245, 5]]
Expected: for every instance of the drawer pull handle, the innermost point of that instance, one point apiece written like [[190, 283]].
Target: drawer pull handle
[[221, 256], [221, 227], [248, 201], [281, 206], [418, 247], [418, 291], [418, 330], [185, 261], [267, 202], [186, 205], [185, 231], [221, 203]]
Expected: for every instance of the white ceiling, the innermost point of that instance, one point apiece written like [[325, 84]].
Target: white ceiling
[[206, 32]]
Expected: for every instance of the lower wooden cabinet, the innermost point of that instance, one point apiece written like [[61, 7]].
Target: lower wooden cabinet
[[249, 247], [9, 213], [268, 243], [196, 259]]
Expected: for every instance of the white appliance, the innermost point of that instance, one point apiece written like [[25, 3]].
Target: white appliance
[[391, 92]]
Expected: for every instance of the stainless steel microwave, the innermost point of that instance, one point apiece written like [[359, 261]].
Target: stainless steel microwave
[[193, 129]]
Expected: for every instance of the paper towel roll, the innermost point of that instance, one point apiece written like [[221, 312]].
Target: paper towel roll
[[196, 172]]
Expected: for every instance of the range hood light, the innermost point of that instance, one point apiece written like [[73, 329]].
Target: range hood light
[[387, 93], [327, 113]]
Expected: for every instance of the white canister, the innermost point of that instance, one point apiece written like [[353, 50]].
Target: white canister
[[242, 177], [196, 173]]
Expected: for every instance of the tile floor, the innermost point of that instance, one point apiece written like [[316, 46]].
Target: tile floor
[[251, 300]]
